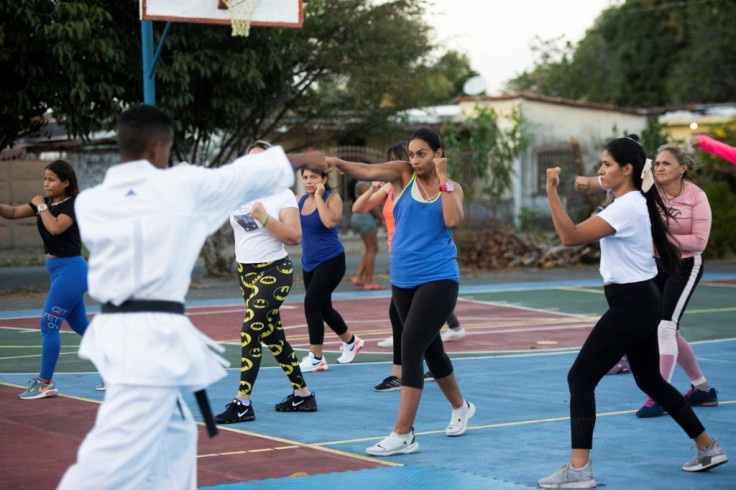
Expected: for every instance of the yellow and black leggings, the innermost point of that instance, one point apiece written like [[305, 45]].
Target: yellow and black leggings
[[264, 287]]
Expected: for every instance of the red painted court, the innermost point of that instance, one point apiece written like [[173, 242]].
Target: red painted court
[[236, 455]]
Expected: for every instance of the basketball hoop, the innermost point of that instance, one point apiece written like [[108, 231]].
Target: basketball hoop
[[241, 14]]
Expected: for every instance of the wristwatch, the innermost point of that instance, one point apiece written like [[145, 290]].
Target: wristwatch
[[42, 207], [447, 187]]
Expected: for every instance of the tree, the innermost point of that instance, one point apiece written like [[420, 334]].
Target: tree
[[354, 62], [643, 53], [483, 152], [353, 66], [72, 57]]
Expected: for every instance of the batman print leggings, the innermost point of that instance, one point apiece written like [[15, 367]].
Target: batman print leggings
[[264, 288]]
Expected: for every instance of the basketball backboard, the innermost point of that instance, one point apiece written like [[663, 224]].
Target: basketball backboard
[[280, 13]]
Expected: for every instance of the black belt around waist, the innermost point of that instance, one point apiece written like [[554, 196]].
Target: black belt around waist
[[144, 306], [161, 306]]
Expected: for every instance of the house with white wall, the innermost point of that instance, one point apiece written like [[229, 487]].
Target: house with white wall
[[553, 122]]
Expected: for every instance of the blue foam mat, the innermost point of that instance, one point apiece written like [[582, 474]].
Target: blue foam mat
[[519, 434]]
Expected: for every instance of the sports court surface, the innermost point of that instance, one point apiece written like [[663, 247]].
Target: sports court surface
[[522, 338]]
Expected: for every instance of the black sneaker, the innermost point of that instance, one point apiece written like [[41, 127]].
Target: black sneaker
[[392, 383], [235, 412], [428, 376], [296, 403]]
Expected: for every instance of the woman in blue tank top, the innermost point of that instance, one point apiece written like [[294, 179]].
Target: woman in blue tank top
[[323, 264], [424, 278]]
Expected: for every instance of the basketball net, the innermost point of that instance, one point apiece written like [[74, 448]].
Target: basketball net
[[241, 14]]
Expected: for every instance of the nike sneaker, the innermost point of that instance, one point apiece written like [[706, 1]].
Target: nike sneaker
[[296, 403], [235, 412], [38, 389]]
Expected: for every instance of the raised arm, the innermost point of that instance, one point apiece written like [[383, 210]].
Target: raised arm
[[452, 202], [587, 185], [594, 228], [330, 211], [16, 212], [715, 147], [56, 225], [313, 160], [374, 196], [287, 228], [397, 171]]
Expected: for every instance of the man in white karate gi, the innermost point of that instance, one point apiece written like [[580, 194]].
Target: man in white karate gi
[[144, 227]]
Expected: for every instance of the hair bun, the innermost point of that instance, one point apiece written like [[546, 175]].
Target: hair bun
[[634, 137]]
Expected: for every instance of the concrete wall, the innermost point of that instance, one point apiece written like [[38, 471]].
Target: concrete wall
[[552, 124], [20, 180]]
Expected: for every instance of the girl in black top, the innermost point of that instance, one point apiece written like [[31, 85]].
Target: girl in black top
[[68, 270]]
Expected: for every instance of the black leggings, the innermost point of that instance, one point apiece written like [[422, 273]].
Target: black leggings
[[319, 284], [397, 329], [628, 327], [264, 288], [422, 311], [676, 291]]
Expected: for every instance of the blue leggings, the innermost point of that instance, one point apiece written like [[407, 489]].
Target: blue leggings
[[64, 302]]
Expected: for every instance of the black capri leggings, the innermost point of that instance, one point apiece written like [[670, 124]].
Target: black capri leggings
[[397, 329], [422, 311], [319, 284], [628, 327]]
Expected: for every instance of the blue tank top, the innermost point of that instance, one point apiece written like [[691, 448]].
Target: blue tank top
[[319, 243], [422, 249]]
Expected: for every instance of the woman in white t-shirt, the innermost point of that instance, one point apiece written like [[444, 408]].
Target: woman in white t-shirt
[[262, 228], [629, 229]]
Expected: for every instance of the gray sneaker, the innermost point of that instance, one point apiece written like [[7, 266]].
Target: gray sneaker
[[707, 458], [38, 389], [568, 476]]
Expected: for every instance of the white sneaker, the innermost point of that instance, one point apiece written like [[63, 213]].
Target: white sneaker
[[387, 342], [349, 351], [309, 364], [459, 419], [395, 444], [101, 386], [453, 334]]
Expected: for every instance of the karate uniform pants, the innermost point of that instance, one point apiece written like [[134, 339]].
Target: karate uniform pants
[[144, 438]]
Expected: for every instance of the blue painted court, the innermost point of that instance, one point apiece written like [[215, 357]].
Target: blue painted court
[[520, 432]]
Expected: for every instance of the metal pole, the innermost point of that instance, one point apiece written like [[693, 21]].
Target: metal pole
[[149, 83]]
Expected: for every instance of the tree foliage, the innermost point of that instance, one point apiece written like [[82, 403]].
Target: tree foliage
[[643, 53], [72, 57], [483, 153], [351, 66]]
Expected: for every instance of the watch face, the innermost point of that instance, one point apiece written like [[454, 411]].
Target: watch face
[[448, 186]]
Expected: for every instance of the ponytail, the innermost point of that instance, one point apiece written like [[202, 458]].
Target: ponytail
[[629, 151]]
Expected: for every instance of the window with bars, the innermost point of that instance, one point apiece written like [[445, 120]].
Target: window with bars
[[555, 156]]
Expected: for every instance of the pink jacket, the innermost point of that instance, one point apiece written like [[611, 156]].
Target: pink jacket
[[717, 148], [691, 226]]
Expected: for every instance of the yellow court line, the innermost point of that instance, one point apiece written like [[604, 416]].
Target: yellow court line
[[495, 426], [61, 395], [294, 445], [290, 444], [33, 355], [709, 310]]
